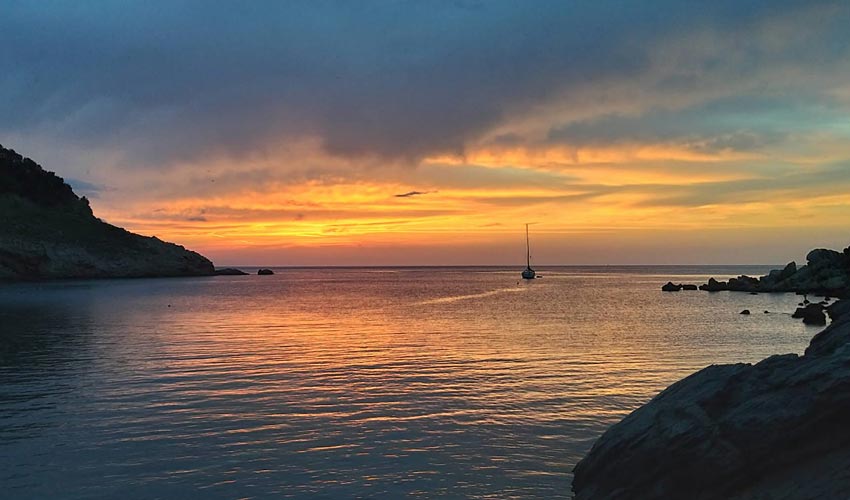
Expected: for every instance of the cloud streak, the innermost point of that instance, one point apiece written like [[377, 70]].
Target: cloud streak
[[411, 193]]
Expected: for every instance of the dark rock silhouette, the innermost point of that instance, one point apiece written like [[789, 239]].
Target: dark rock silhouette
[[673, 287], [777, 429], [812, 314], [827, 272], [46, 231], [265, 272], [745, 312], [714, 286], [230, 271]]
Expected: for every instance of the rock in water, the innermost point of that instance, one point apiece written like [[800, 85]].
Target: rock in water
[[689, 287], [670, 287], [777, 429], [230, 271], [714, 286], [812, 314], [265, 272], [47, 231], [817, 318], [745, 312]]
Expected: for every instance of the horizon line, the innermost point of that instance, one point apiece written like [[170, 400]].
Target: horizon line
[[366, 266]]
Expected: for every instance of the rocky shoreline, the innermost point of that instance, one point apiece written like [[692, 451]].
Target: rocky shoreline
[[826, 273], [776, 429]]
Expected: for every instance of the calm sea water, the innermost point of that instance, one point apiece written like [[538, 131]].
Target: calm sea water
[[349, 383]]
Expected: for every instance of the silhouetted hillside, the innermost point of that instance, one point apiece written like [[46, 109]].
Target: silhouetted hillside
[[47, 231]]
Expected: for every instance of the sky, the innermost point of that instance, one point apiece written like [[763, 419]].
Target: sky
[[430, 132]]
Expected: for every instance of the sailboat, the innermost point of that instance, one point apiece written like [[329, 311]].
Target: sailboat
[[528, 273]]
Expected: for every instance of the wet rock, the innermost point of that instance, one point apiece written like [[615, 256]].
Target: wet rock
[[265, 272], [670, 287], [745, 312], [689, 287]]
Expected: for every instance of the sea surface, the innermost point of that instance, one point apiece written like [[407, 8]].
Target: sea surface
[[350, 383]]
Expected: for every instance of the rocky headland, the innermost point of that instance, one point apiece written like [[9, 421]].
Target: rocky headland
[[774, 430], [826, 272], [47, 231]]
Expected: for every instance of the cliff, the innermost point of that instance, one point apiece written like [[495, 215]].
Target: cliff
[[776, 429], [47, 231]]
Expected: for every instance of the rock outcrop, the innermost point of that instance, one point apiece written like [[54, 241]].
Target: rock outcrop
[[777, 429], [47, 231], [265, 272], [812, 314], [827, 272], [673, 287], [230, 271]]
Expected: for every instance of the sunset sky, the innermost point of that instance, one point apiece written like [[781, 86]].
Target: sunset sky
[[415, 132]]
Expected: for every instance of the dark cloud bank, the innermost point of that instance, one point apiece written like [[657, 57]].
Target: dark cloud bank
[[164, 82]]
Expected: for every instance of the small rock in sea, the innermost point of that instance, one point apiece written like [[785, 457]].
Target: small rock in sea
[[811, 314], [670, 287], [745, 311], [265, 272], [689, 287], [767, 312], [815, 318], [230, 271], [754, 293]]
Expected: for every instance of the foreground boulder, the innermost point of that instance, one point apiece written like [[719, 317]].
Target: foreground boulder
[[777, 430], [47, 231]]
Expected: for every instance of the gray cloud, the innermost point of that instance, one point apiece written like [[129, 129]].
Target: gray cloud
[[398, 80]]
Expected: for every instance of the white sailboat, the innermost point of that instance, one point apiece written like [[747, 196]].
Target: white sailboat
[[528, 273]]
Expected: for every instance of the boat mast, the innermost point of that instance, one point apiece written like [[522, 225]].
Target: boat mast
[[527, 249]]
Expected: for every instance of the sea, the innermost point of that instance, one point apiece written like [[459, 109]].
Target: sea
[[336, 383]]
